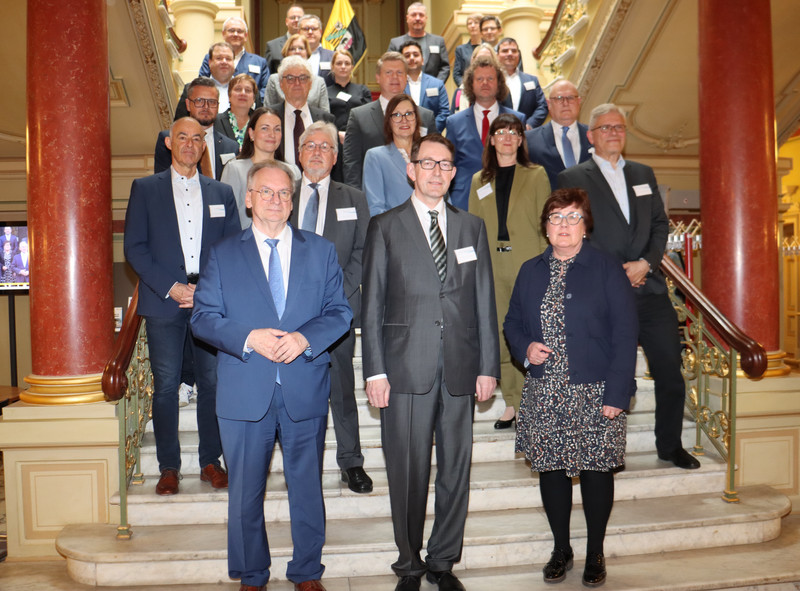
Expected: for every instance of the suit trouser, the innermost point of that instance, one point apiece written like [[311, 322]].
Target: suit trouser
[[248, 451], [659, 337], [512, 378], [407, 428], [343, 403]]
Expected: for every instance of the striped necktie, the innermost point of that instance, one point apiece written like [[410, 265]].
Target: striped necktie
[[438, 247]]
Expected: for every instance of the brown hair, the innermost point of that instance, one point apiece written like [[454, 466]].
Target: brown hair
[[246, 78], [485, 62], [436, 138], [248, 149], [561, 198], [503, 121], [388, 136]]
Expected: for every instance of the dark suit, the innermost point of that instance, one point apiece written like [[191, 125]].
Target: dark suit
[[365, 131], [18, 265], [432, 340], [162, 159], [461, 62], [316, 115], [272, 52], [645, 238], [233, 297], [325, 57], [542, 149], [253, 65], [153, 248], [346, 219], [436, 62], [13, 239], [436, 101], [531, 101], [359, 95]]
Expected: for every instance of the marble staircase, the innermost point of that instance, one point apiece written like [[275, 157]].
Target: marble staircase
[[658, 509]]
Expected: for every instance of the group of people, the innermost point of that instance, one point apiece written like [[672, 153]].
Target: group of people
[[354, 213], [16, 263]]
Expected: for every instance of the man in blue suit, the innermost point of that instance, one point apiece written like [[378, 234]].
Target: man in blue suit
[[485, 88], [426, 90], [234, 31], [320, 58], [271, 300], [173, 218], [525, 94], [562, 143]]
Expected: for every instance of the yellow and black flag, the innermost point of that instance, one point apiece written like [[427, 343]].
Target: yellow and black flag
[[343, 31]]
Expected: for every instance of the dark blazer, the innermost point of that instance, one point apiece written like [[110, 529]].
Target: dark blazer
[[325, 57], [461, 130], [359, 95], [152, 240], [408, 315], [531, 102], [272, 52], [461, 62], [250, 63], [542, 149], [365, 131], [645, 237], [437, 103], [347, 235], [13, 240], [17, 265], [599, 320], [436, 64], [316, 115], [162, 159]]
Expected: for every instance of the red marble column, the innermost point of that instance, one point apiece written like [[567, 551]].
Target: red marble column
[[69, 187], [738, 185]]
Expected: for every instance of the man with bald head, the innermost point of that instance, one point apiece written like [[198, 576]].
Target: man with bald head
[[434, 49], [234, 32], [173, 218]]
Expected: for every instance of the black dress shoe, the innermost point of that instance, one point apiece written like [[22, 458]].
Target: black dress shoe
[[357, 480], [594, 573], [556, 568], [408, 583], [446, 580], [501, 424], [682, 459]]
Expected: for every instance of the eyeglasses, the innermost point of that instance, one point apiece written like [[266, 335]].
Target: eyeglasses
[[408, 116], [200, 102], [292, 79], [235, 31], [557, 219], [294, 18], [564, 99], [428, 164], [606, 129], [488, 29], [309, 29], [502, 132], [324, 147], [268, 194]]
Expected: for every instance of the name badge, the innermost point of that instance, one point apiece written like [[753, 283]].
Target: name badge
[[530, 85], [346, 214], [465, 255], [225, 158], [431, 92], [423, 131], [216, 210], [254, 68], [434, 49], [343, 96], [485, 191], [642, 190], [324, 65]]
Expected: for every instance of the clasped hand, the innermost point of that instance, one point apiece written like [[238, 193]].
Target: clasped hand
[[277, 345], [183, 294]]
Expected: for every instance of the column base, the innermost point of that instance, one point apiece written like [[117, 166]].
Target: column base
[[777, 366], [53, 390]]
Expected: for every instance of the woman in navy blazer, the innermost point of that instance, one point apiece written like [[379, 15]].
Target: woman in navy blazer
[[572, 322]]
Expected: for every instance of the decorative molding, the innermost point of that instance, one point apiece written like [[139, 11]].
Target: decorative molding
[[672, 141], [117, 94], [602, 47], [10, 137]]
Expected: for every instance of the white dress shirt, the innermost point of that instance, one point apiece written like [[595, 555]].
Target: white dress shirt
[[415, 88], [210, 147], [615, 176], [425, 218], [188, 200], [305, 195], [514, 89], [574, 137], [494, 111], [284, 248]]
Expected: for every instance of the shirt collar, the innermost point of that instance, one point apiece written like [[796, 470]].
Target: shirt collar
[[605, 164], [176, 176]]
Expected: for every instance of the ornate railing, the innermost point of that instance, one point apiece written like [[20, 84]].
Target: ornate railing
[[714, 348], [558, 45], [128, 381]]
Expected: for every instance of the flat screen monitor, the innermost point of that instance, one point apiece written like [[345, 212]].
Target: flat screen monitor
[[15, 260]]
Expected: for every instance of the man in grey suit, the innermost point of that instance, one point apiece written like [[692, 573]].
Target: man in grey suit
[[272, 52], [430, 338], [434, 49], [365, 124], [340, 214]]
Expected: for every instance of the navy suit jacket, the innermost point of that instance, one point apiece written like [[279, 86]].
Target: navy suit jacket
[[531, 102], [17, 265], [272, 52], [250, 63], [233, 297], [152, 239], [222, 145], [462, 131], [542, 149], [438, 103], [325, 57], [461, 62], [435, 64]]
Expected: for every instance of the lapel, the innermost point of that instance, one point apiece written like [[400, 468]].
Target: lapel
[[297, 272], [472, 129], [397, 160], [376, 113], [413, 229], [205, 187], [608, 199], [334, 201], [252, 261], [454, 227], [633, 201]]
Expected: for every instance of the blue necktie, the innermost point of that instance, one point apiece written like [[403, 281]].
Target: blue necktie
[[276, 277], [312, 210], [569, 155]]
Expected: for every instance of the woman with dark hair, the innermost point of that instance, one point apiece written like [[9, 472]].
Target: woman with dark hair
[[385, 181], [508, 195], [243, 95], [343, 93], [297, 44], [572, 322], [261, 144]]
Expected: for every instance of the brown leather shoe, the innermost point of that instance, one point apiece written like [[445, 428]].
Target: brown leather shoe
[[214, 474], [309, 586], [168, 483], [252, 587]]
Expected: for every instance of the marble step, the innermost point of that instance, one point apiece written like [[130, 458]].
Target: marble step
[[518, 537], [500, 485]]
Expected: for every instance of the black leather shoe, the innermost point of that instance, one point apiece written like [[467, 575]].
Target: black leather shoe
[[446, 580], [357, 480], [408, 583], [501, 424], [682, 459], [594, 573], [556, 568]]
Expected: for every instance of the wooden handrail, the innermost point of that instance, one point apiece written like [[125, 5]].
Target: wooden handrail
[[752, 356], [537, 53], [115, 382]]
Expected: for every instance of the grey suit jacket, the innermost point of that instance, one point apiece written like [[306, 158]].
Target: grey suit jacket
[[408, 315], [272, 51], [365, 131]]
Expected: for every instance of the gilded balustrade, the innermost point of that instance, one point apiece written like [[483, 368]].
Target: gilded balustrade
[[558, 45]]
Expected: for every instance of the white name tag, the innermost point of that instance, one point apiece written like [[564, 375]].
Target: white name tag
[[254, 68], [225, 158], [345, 214], [641, 190], [465, 255], [485, 191], [434, 49], [431, 92], [324, 65], [423, 131], [343, 96], [530, 85], [216, 210]]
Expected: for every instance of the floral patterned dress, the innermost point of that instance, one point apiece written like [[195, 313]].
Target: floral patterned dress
[[561, 425]]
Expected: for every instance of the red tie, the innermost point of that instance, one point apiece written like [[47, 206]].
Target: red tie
[[485, 126]]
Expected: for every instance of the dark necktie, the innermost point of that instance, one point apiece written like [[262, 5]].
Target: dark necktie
[[437, 246], [276, 277], [566, 145], [299, 128], [485, 126], [312, 210]]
